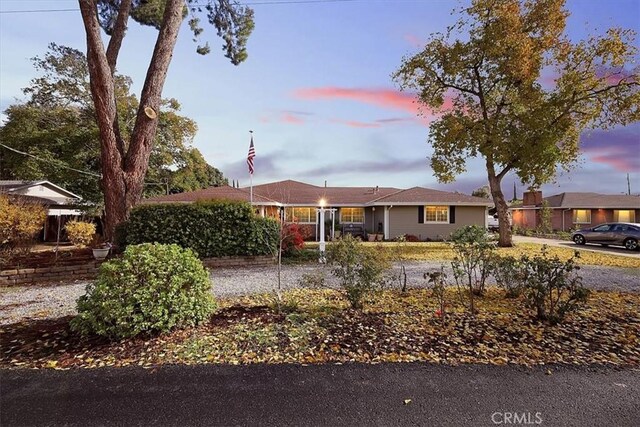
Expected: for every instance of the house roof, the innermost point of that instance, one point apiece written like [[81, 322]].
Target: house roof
[[290, 192], [427, 195], [224, 192], [593, 201], [15, 187]]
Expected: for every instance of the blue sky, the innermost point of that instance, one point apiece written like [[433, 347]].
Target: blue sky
[[317, 92]]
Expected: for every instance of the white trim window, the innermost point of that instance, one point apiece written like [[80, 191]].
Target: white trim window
[[624, 215], [436, 214], [300, 215], [351, 215], [582, 216]]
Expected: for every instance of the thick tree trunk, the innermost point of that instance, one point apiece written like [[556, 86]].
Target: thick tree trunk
[[504, 225], [123, 173]]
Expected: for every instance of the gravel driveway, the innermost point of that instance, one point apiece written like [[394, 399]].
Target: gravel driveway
[[46, 301]]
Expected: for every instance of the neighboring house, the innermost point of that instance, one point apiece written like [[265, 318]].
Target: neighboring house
[[422, 212], [62, 205], [575, 210]]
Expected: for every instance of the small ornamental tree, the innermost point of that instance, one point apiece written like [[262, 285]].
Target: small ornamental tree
[[472, 262]]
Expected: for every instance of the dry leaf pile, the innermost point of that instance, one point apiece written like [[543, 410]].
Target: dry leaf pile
[[319, 328]]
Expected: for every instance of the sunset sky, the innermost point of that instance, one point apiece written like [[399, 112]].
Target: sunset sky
[[317, 92]]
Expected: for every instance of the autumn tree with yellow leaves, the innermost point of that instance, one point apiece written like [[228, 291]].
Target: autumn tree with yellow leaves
[[491, 64]]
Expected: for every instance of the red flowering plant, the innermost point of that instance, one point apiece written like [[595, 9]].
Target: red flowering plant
[[291, 238]]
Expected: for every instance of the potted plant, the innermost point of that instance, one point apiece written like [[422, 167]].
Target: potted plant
[[100, 249], [337, 231]]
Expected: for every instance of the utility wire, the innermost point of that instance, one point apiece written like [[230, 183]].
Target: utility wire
[[165, 183], [49, 161]]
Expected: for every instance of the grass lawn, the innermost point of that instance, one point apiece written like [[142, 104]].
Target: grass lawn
[[320, 328], [439, 251]]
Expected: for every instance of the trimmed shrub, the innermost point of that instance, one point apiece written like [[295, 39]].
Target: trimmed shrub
[[211, 228], [509, 274], [80, 233], [551, 286], [152, 288], [360, 268], [20, 220]]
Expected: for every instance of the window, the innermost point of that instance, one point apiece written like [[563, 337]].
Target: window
[[582, 216], [624, 215], [623, 227], [302, 215], [352, 215], [602, 228], [436, 214]]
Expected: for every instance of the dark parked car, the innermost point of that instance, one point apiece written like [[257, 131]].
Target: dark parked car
[[615, 233]]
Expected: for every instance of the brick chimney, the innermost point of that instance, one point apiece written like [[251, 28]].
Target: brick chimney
[[532, 198]]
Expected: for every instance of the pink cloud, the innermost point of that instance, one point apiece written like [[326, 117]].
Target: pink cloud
[[291, 118], [413, 40], [394, 120], [611, 76], [385, 98], [356, 124], [617, 148]]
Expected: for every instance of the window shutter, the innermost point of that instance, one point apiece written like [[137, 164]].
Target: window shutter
[[452, 214], [420, 214]]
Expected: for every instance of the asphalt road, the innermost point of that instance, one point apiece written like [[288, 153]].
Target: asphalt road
[[324, 395]]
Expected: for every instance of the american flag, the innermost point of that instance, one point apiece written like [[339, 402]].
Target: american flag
[[250, 156]]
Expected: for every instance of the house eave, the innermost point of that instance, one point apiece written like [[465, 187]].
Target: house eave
[[432, 202]]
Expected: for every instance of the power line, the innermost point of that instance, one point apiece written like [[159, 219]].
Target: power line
[[166, 183], [49, 161]]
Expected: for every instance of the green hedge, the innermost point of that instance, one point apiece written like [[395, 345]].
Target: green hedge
[[211, 229]]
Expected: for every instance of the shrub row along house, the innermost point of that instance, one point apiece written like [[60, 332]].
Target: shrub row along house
[[383, 211], [575, 210]]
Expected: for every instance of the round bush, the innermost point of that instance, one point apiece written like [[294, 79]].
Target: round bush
[[151, 288], [80, 233]]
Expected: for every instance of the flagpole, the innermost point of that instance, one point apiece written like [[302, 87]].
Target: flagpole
[[251, 176]]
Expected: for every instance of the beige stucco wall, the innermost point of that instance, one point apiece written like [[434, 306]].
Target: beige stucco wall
[[404, 220]]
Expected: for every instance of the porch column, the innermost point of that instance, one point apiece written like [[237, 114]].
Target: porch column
[[486, 218], [386, 222], [262, 211]]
